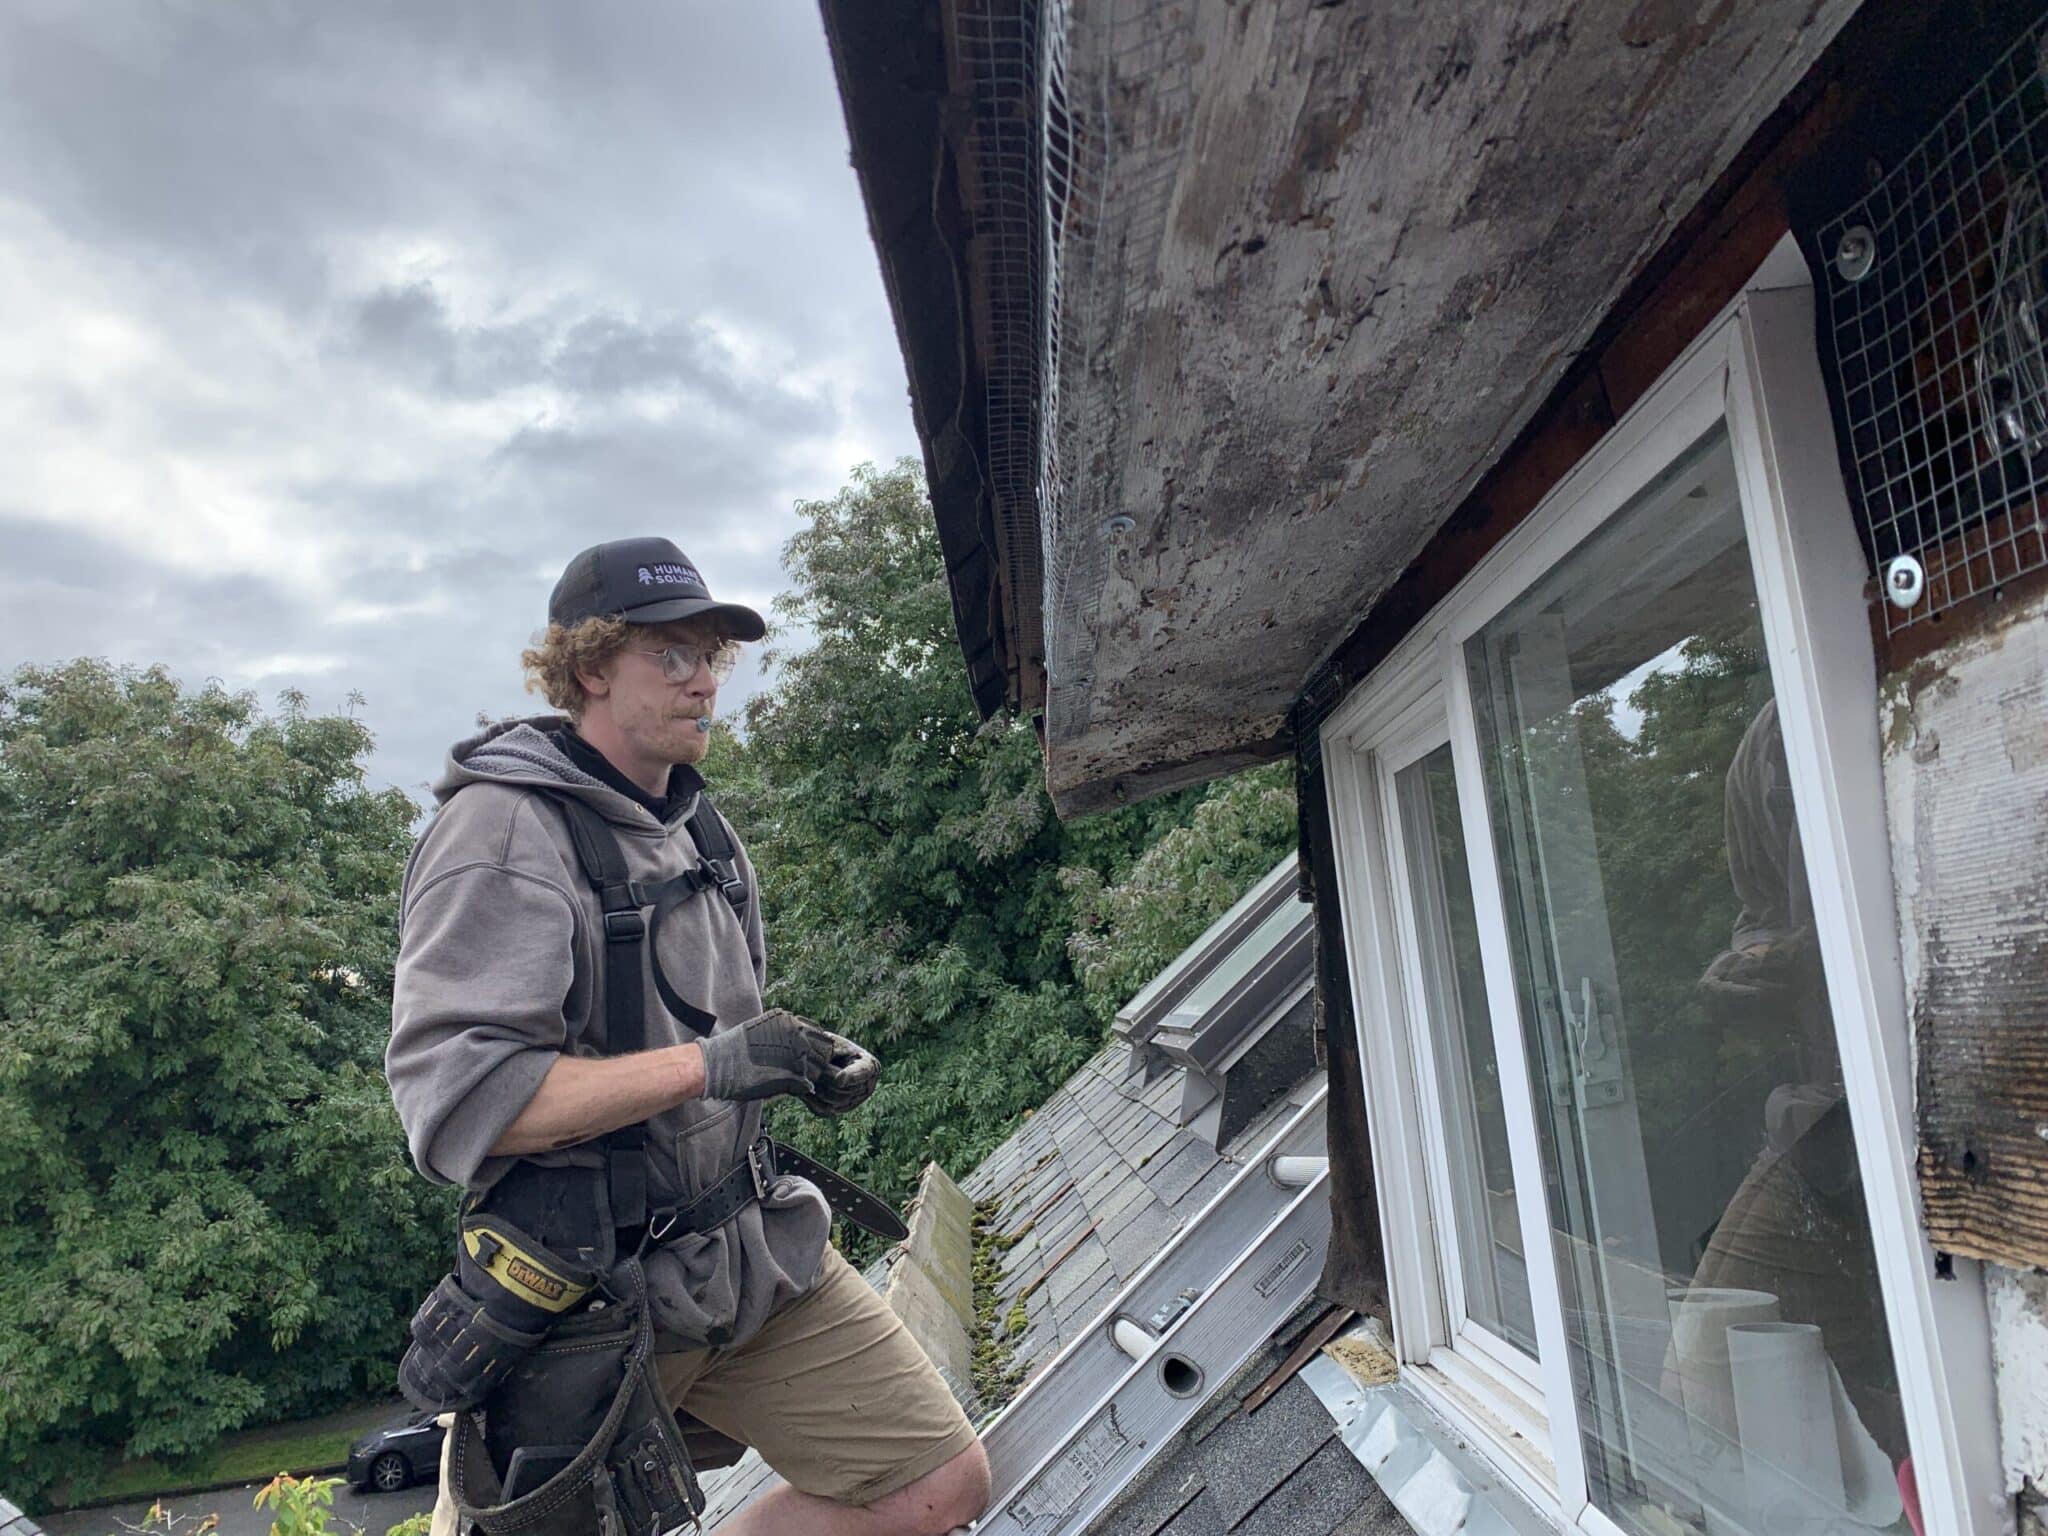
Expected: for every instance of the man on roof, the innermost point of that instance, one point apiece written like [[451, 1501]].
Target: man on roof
[[579, 1042]]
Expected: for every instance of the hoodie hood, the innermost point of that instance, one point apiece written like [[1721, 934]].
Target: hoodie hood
[[523, 753]]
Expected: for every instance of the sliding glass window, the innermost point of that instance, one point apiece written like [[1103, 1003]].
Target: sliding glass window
[[1727, 1343]]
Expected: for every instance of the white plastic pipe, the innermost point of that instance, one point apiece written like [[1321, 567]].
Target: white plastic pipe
[[1132, 1339], [1297, 1172]]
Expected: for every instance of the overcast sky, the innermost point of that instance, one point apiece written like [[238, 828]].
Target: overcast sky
[[332, 330]]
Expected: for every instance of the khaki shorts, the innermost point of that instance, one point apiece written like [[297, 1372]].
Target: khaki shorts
[[833, 1392]]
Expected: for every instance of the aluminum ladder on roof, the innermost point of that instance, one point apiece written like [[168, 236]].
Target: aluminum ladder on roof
[[1106, 1404]]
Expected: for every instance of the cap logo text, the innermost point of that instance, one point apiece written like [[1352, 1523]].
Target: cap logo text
[[668, 574]]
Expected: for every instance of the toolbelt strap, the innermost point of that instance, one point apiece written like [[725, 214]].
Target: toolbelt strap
[[766, 1161]]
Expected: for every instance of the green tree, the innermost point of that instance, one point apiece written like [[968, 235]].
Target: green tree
[[206, 1214], [910, 860], [1126, 932]]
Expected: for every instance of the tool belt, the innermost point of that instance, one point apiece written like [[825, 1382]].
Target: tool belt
[[585, 1411], [532, 1250], [541, 1340], [543, 1349]]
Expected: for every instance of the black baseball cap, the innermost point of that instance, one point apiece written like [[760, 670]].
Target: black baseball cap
[[643, 581]]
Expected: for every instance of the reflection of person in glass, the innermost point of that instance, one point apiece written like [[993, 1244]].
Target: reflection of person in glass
[[1796, 1227]]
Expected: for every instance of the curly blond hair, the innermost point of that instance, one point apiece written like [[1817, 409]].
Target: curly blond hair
[[588, 645], [565, 650]]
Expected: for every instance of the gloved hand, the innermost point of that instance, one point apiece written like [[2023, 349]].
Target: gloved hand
[[1761, 976], [777, 1052]]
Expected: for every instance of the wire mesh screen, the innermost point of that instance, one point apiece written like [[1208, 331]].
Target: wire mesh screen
[[1003, 44], [1936, 293], [1063, 231], [1106, 220]]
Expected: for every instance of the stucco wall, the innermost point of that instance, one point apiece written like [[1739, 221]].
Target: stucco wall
[[1966, 779]]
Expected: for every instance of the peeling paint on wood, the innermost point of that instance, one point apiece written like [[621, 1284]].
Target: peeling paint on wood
[[2019, 1347], [1391, 228], [1966, 778]]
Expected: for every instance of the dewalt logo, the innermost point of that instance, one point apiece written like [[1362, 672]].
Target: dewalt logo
[[541, 1283]]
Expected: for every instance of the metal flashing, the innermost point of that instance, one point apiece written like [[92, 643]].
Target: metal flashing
[[1148, 1008], [1434, 1477]]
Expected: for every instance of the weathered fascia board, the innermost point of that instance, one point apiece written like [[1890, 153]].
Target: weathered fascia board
[[1392, 226], [1966, 784]]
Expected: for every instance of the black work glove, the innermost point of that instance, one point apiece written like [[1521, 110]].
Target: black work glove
[[777, 1052]]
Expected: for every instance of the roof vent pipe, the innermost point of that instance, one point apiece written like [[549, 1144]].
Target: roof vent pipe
[[1133, 1338], [1297, 1172]]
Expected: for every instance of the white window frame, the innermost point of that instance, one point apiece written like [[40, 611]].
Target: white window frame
[[1464, 1337], [1754, 369]]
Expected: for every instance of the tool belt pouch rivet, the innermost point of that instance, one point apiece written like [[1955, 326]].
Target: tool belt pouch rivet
[[590, 1387]]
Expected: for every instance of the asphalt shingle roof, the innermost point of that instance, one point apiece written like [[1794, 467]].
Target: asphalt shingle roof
[[1280, 1471]]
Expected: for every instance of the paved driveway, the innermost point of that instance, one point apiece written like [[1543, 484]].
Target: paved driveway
[[372, 1513]]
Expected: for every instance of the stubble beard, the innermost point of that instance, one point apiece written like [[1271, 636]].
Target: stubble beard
[[686, 741]]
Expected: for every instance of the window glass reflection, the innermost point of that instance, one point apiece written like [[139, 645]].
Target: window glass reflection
[[1726, 1335]]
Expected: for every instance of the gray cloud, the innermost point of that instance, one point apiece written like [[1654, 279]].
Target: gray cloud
[[334, 330], [408, 328]]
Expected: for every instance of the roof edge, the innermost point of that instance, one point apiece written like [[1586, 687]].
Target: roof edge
[[889, 58]]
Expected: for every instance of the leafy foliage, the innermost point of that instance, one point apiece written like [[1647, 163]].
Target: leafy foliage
[[303, 1505], [917, 886], [1125, 933], [1658, 798], [206, 1215]]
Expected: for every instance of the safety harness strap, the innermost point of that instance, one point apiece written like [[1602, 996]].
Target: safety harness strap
[[625, 1010], [627, 936], [715, 843]]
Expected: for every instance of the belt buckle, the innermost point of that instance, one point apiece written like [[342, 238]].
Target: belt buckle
[[761, 1165]]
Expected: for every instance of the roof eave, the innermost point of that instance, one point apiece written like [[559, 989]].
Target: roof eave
[[890, 60]]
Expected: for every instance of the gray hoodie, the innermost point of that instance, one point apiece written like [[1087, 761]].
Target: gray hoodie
[[499, 972]]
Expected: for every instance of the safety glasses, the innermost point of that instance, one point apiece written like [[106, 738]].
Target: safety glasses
[[679, 663]]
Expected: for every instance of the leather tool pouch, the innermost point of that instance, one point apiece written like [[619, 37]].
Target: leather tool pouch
[[459, 1352], [591, 1384], [509, 1289]]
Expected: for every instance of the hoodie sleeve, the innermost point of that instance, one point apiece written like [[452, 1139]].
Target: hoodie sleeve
[[486, 959]]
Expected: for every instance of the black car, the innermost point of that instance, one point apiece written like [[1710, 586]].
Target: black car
[[396, 1455]]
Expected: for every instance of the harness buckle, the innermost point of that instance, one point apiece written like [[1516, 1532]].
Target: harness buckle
[[727, 878], [625, 926], [761, 1164]]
